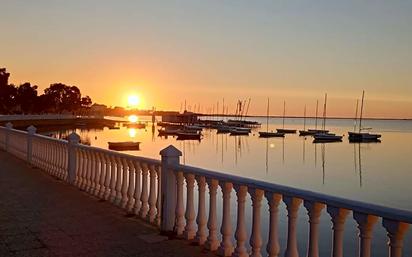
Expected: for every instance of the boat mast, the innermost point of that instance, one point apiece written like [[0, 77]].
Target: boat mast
[[316, 118], [324, 112], [267, 117], [356, 115], [247, 109], [284, 111], [361, 112], [304, 118]]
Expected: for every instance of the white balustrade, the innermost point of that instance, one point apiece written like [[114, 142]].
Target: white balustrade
[[240, 234], [273, 247], [190, 215], [212, 242], [153, 190], [226, 246], [201, 219]]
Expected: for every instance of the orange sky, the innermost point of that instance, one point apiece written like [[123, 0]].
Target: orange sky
[[206, 51]]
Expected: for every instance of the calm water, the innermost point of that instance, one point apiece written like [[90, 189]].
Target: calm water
[[373, 172]]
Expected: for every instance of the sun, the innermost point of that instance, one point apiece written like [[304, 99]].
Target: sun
[[133, 100]]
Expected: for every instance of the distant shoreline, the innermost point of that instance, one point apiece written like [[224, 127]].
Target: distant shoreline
[[308, 117]]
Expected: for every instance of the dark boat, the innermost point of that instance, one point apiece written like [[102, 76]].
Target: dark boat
[[188, 135], [264, 134], [283, 130], [360, 136], [124, 146]]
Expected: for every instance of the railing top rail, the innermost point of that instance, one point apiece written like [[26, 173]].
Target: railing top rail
[[357, 206], [50, 138], [120, 155]]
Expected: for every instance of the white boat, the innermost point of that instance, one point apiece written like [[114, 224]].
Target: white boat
[[360, 136]]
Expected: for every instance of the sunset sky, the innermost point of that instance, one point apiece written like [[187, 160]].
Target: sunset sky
[[202, 51]]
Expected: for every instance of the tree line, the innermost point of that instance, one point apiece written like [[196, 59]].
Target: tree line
[[25, 98]]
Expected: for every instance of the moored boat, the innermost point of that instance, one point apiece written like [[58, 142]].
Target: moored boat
[[265, 134], [124, 146], [283, 130], [360, 136], [188, 135]]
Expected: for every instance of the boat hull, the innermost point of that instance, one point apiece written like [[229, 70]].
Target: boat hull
[[286, 131], [271, 134]]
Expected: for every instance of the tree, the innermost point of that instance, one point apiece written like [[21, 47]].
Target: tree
[[4, 77], [26, 97], [7, 99], [86, 102], [63, 97]]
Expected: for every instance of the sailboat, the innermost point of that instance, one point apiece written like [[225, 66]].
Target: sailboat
[[326, 136], [316, 130], [266, 134], [362, 136], [305, 132], [283, 130]]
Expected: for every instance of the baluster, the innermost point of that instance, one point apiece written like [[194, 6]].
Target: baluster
[[190, 231], [96, 173], [255, 237], [108, 177], [89, 170], [338, 216], [113, 179], [159, 196], [119, 170], [144, 208], [365, 226], [137, 189], [240, 234], [226, 246], [292, 206], [273, 247], [314, 211], [180, 221], [86, 169], [212, 243], [103, 171], [125, 182], [152, 195], [201, 219], [130, 189], [396, 231], [79, 179]]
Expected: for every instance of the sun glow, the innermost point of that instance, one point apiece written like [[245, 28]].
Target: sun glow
[[132, 132], [133, 100], [133, 118]]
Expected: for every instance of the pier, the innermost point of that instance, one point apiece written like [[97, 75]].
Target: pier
[[152, 199]]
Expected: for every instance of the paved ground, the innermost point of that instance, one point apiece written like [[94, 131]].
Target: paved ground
[[41, 216]]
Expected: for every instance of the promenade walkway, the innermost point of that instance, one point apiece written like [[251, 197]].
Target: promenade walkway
[[42, 216]]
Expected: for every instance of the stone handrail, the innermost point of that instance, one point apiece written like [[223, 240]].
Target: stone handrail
[[163, 192]]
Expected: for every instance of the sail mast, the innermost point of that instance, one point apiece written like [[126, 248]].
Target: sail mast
[[267, 117], [304, 118], [284, 111], [356, 115], [316, 118], [324, 112], [361, 112]]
